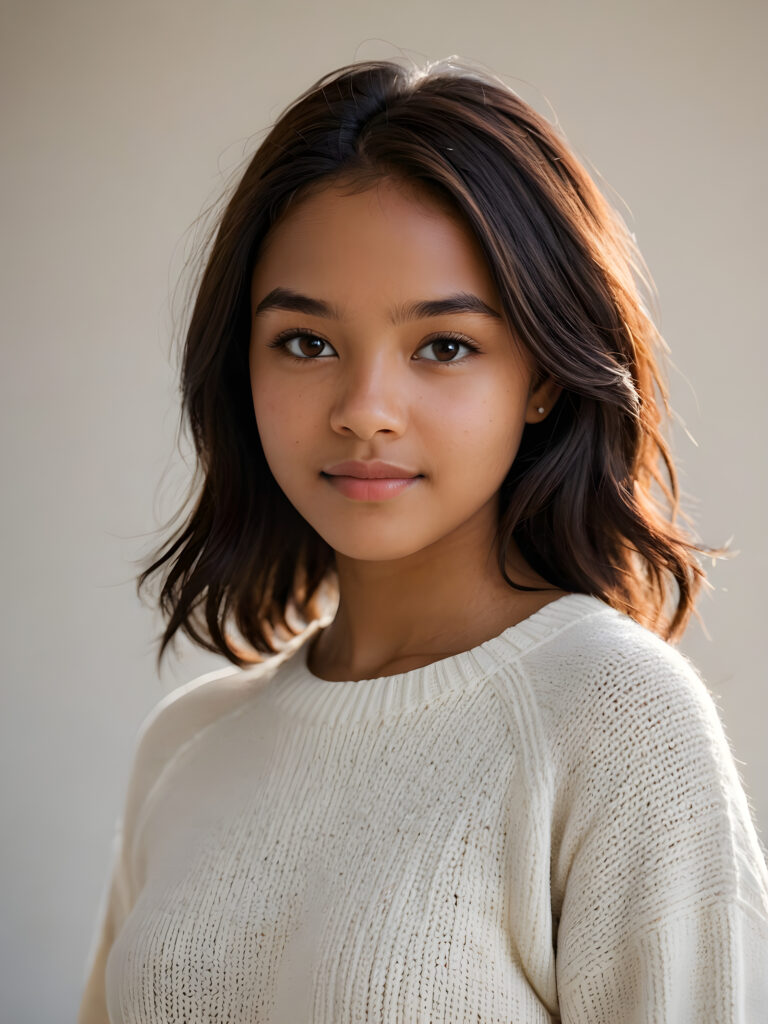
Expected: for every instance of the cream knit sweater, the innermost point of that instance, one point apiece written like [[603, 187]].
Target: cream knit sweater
[[547, 827]]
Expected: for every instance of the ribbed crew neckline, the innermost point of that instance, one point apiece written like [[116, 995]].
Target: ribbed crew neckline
[[300, 693]]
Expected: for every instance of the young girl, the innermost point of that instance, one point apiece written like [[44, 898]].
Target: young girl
[[456, 772]]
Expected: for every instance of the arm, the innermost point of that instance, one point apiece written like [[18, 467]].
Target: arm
[[659, 879], [114, 908], [175, 721]]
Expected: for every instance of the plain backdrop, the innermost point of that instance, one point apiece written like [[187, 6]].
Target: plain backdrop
[[120, 124]]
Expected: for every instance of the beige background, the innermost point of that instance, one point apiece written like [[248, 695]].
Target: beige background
[[120, 123]]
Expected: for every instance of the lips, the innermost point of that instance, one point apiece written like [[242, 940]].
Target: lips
[[370, 489], [370, 470]]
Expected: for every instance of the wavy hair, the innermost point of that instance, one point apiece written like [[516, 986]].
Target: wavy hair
[[592, 497]]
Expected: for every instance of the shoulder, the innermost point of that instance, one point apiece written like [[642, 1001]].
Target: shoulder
[[644, 785], [604, 662], [181, 715], [625, 715], [588, 671], [616, 703], [651, 834]]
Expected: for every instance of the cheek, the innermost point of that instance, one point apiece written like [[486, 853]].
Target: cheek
[[289, 426], [482, 431], [280, 411]]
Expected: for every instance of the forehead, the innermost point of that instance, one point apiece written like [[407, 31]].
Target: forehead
[[390, 237]]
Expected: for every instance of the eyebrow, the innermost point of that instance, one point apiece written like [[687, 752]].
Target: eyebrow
[[460, 302]]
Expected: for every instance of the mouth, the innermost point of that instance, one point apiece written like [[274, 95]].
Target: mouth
[[372, 490], [351, 476]]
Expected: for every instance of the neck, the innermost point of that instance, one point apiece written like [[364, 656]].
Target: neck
[[397, 615]]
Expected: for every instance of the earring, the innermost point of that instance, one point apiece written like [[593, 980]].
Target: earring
[[540, 409]]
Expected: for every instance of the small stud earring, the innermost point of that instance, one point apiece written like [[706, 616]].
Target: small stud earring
[[540, 409]]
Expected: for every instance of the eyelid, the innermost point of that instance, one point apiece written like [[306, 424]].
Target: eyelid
[[281, 339]]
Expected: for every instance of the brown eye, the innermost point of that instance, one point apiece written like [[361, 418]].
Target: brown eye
[[448, 345], [305, 346], [310, 345]]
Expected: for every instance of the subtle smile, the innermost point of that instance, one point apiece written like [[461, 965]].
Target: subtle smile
[[361, 489]]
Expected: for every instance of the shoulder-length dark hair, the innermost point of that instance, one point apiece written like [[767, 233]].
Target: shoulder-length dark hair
[[579, 498]]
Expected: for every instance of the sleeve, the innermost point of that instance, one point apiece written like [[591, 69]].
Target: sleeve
[[157, 736], [167, 726], [174, 721], [113, 909], [660, 887]]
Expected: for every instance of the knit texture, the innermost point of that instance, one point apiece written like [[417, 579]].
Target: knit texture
[[547, 827]]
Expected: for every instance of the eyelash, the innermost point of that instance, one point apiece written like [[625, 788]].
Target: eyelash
[[284, 337]]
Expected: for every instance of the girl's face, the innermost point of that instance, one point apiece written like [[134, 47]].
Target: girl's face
[[365, 377]]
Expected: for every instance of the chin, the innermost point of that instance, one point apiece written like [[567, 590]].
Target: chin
[[372, 545]]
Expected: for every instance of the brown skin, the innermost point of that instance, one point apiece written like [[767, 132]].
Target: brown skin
[[418, 574]]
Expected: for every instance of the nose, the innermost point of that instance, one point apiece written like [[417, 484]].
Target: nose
[[371, 397]]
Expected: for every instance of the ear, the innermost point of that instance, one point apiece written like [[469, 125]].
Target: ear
[[542, 395]]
